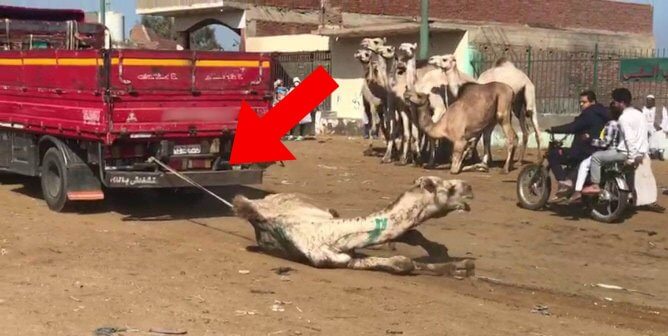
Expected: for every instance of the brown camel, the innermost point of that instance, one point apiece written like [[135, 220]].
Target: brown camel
[[476, 112]]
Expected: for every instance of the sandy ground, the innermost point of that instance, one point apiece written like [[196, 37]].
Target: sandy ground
[[142, 262]]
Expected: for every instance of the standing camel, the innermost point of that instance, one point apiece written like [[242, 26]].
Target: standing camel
[[407, 73], [524, 106], [379, 74], [476, 112], [374, 96]]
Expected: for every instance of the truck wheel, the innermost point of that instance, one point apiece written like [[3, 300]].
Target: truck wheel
[[53, 180]]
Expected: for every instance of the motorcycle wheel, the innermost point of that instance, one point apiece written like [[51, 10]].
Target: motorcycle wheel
[[533, 187], [610, 204]]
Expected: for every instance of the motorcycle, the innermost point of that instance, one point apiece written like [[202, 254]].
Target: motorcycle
[[534, 187]]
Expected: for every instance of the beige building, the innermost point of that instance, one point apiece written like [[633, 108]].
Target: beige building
[[457, 26]]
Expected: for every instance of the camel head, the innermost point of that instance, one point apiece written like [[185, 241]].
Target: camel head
[[445, 62], [404, 54], [406, 51], [363, 55], [417, 98], [386, 52], [373, 43], [441, 196]]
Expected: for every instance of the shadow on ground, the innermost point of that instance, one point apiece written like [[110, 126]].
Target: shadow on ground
[[146, 205]]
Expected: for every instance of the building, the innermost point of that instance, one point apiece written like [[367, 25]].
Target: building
[[467, 28]]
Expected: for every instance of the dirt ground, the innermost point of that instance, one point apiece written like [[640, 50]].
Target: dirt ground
[[140, 262]]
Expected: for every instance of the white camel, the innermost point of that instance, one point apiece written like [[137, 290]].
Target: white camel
[[288, 227], [524, 106], [406, 74], [374, 95]]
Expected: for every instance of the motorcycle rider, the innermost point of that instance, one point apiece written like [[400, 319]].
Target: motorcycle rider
[[585, 127], [633, 147], [609, 139]]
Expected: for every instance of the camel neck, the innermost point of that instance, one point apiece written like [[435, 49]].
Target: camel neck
[[411, 73], [425, 122], [379, 227]]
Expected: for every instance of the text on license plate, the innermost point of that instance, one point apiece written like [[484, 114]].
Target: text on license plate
[[187, 149]]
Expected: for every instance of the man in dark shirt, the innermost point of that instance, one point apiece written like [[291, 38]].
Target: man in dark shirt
[[585, 127]]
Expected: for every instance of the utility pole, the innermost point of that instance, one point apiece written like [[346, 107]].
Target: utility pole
[[424, 29], [103, 12]]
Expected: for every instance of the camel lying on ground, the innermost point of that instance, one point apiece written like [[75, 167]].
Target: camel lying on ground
[[288, 227], [475, 113]]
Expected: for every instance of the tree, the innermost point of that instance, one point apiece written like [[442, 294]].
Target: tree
[[159, 24], [201, 39], [204, 39]]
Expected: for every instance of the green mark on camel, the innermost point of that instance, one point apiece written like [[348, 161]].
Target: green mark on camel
[[381, 225]]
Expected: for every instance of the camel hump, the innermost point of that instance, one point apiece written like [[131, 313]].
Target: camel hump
[[501, 61], [464, 87]]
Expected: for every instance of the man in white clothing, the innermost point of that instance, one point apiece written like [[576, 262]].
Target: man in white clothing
[[633, 144], [653, 127]]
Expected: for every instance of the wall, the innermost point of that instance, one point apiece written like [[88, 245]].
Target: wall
[[577, 14], [232, 18], [269, 28], [287, 43], [347, 99]]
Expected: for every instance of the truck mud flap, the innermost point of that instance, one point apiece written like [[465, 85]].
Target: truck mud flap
[[169, 180], [82, 184]]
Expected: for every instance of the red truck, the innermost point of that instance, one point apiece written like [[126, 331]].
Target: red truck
[[85, 118]]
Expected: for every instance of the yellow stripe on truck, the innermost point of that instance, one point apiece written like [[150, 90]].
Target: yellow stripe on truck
[[39, 61], [80, 61], [134, 62], [155, 62]]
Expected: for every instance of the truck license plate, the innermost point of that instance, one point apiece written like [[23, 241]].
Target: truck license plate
[[187, 149]]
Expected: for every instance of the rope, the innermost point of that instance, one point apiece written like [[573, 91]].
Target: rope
[[189, 180]]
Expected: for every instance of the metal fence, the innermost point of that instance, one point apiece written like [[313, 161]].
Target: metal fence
[[560, 76], [286, 66]]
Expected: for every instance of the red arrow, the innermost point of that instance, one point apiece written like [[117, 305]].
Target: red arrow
[[259, 139]]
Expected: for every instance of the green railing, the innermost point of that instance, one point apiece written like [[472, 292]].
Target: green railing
[[560, 76]]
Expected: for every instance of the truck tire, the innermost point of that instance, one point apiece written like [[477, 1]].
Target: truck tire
[[54, 180]]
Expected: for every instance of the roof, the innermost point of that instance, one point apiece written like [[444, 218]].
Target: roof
[[41, 14]]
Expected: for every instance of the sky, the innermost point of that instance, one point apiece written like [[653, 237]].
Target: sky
[[127, 7]]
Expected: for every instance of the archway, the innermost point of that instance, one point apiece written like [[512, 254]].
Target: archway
[[212, 34]]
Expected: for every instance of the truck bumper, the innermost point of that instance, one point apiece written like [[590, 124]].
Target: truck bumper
[[127, 179]]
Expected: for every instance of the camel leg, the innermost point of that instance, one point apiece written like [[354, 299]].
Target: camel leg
[[372, 116], [481, 166], [458, 151], [487, 149], [415, 238], [532, 113], [417, 148], [511, 143], [394, 265], [522, 117], [457, 269], [407, 138], [390, 140], [432, 144]]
